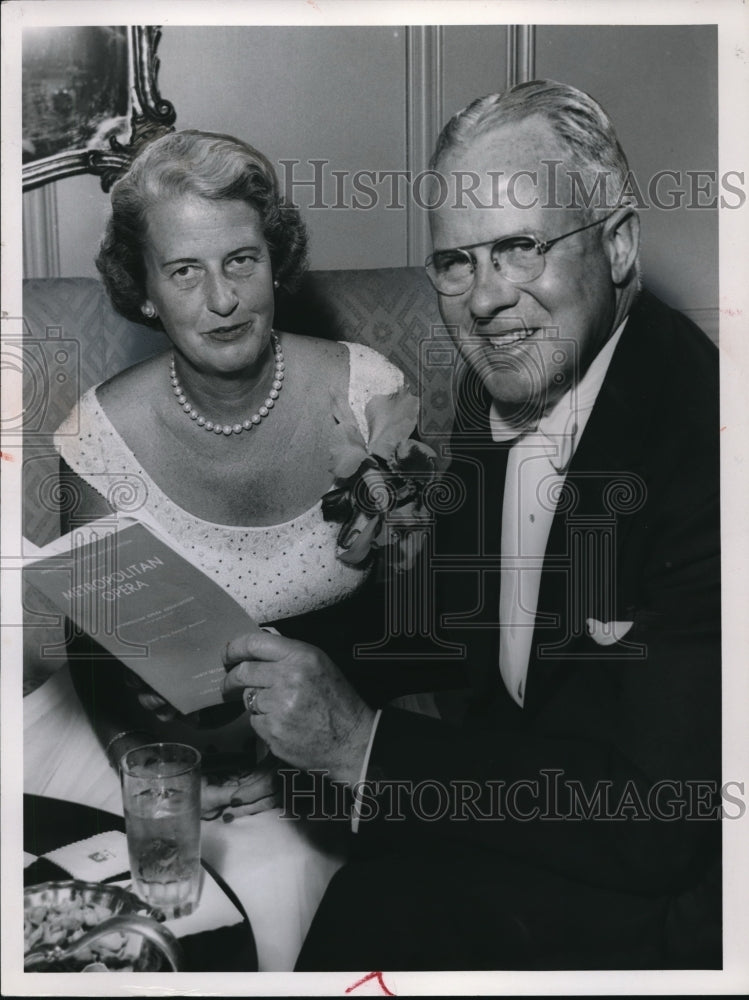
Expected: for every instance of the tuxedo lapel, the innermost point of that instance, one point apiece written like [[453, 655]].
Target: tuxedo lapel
[[587, 568], [471, 536]]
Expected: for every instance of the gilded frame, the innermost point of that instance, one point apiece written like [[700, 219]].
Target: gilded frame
[[149, 116]]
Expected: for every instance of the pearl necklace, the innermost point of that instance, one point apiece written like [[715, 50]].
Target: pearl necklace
[[250, 422]]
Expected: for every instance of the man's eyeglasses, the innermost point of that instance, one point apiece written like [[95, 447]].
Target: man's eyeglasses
[[519, 259]]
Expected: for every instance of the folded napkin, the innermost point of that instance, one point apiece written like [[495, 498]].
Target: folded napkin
[[94, 859]]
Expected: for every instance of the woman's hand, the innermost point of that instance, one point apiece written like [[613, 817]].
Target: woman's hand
[[149, 699], [241, 795]]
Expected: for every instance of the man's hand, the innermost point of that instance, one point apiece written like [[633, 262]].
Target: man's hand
[[304, 708]]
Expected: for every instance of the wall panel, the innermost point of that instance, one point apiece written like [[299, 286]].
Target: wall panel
[[660, 86], [474, 60], [348, 96], [342, 95], [333, 94]]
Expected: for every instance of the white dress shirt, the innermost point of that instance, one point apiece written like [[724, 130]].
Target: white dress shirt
[[536, 468]]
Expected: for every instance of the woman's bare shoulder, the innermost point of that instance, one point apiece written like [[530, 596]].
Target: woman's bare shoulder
[[323, 361], [340, 359], [315, 347], [138, 387]]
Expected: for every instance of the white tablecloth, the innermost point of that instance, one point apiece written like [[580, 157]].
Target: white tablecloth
[[277, 872]]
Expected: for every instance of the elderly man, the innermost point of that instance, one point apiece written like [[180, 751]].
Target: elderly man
[[567, 817]]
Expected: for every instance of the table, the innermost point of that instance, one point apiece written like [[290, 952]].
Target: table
[[276, 869], [50, 823]]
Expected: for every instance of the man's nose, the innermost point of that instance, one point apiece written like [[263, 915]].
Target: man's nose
[[491, 291], [221, 295]]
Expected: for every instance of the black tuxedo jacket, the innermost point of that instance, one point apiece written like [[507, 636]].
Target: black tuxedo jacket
[[609, 771]]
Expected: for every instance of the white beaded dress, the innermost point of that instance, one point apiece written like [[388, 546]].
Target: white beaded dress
[[275, 571], [284, 574]]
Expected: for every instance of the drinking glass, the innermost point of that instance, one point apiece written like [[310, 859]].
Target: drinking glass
[[161, 800]]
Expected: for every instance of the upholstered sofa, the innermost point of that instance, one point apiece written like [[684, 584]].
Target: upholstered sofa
[[73, 339]]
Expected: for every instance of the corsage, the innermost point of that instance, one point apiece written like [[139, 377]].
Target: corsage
[[379, 482]]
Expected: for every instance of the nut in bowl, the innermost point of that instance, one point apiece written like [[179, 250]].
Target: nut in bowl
[[76, 926]]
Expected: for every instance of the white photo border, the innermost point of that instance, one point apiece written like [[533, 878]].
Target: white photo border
[[732, 18]]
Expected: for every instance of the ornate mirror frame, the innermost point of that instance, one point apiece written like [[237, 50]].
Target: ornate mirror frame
[[150, 117]]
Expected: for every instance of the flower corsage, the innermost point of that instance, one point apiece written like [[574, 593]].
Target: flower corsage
[[379, 481]]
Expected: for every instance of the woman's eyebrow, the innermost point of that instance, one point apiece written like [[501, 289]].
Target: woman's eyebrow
[[196, 260], [179, 260], [251, 248]]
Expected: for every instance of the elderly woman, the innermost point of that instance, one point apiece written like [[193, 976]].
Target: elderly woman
[[228, 434]]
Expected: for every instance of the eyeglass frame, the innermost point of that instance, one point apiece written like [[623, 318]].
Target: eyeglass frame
[[542, 248]]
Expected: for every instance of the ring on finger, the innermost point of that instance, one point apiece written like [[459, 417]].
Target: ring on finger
[[249, 697]]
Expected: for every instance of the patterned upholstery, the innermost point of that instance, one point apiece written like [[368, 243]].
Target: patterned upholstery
[[73, 339], [393, 310]]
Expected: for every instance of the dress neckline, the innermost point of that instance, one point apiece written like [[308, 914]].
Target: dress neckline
[[165, 499]]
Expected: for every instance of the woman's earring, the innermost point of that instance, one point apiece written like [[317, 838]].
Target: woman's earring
[[148, 310], [275, 283]]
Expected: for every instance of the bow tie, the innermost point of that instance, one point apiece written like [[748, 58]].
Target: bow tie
[[557, 441]]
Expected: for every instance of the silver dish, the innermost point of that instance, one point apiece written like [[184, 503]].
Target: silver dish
[[147, 946]]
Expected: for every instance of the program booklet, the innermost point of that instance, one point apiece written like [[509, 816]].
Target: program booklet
[[144, 602]]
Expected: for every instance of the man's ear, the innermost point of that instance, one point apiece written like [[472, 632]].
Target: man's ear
[[621, 239]]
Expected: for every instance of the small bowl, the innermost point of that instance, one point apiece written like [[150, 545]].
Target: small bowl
[[139, 953]]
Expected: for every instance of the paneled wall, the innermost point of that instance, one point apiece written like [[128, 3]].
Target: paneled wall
[[372, 99], [660, 86], [360, 99]]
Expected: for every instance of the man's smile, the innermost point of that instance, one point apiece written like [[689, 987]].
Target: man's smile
[[500, 340]]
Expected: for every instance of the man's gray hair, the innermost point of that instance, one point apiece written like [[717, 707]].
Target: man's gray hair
[[580, 123]]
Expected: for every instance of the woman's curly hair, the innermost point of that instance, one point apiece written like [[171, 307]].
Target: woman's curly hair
[[193, 163]]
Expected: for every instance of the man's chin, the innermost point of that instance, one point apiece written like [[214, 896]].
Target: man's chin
[[520, 403]]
